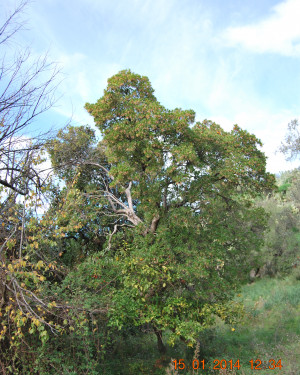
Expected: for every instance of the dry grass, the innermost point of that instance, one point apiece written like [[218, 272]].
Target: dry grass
[[170, 370]]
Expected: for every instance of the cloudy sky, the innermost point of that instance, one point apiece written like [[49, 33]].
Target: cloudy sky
[[233, 61]]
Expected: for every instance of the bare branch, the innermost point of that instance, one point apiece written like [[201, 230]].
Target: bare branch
[[11, 26], [98, 165], [27, 91], [153, 225], [128, 195]]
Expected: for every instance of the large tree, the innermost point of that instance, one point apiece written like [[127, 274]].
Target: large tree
[[180, 195]]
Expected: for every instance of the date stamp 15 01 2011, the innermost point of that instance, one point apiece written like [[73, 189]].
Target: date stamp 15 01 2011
[[222, 364]]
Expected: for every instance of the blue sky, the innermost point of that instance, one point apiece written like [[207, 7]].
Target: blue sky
[[233, 61]]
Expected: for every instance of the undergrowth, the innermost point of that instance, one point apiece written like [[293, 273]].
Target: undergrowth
[[269, 330]]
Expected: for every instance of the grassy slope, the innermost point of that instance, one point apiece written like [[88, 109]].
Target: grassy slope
[[270, 328]]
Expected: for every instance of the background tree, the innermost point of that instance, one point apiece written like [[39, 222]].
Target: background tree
[[291, 146], [281, 250]]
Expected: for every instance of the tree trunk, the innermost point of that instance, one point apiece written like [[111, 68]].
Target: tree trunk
[[160, 345]]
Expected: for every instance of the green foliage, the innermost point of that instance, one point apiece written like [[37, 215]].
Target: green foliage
[[71, 146], [281, 252], [160, 150], [284, 187]]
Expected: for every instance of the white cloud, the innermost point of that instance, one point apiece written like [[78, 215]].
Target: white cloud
[[267, 126], [278, 33]]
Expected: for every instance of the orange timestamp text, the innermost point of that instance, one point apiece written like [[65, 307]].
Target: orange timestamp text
[[222, 364]]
